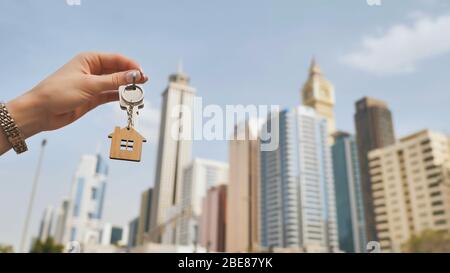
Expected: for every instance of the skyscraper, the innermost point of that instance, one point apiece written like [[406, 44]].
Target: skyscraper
[[86, 201], [349, 202], [242, 229], [45, 229], [132, 232], [199, 176], [411, 187], [213, 219], [174, 151], [61, 219], [318, 93], [374, 129], [144, 215], [298, 208]]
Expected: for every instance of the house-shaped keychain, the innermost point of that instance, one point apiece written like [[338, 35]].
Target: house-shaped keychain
[[126, 144]]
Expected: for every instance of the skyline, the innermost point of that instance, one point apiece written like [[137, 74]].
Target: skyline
[[252, 76]]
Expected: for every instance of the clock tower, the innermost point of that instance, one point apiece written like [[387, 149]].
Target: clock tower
[[318, 93]]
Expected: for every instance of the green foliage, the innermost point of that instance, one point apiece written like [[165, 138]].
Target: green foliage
[[48, 246], [6, 249], [428, 242]]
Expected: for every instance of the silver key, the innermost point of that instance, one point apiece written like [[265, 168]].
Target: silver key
[[131, 95]]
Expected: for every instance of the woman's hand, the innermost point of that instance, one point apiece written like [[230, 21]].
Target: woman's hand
[[87, 81]]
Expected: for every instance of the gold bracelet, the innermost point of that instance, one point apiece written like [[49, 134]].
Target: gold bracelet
[[11, 130]]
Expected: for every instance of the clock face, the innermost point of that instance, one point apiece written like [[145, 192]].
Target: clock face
[[323, 94]]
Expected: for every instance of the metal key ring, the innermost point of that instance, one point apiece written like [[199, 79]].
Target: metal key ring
[[130, 101]]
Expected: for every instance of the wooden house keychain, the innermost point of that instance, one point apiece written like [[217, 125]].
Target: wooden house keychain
[[126, 142]]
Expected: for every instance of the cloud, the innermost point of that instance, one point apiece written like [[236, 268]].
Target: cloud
[[146, 123], [402, 47]]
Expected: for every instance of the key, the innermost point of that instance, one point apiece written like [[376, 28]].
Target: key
[[126, 142], [131, 95]]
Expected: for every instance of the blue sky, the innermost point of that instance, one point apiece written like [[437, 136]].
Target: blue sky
[[236, 52]]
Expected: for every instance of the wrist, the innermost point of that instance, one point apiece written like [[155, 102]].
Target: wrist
[[27, 114]]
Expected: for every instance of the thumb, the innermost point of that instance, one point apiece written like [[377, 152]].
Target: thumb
[[114, 80]]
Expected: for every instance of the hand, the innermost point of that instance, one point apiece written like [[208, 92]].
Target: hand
[[87, 81]]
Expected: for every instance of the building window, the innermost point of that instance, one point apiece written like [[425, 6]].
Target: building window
[[438, 212], [94, 194], [438, 193], [73, 234]]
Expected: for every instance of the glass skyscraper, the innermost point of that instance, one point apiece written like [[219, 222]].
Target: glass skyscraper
[[349, 202], [86, 201], [298, 208]]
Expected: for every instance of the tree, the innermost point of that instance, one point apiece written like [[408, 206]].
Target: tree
[[6, 249], [428, 242], [48, 246]]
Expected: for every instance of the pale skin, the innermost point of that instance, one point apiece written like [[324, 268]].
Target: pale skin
[[90, 79]]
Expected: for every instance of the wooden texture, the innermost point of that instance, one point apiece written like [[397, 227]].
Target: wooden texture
[[126, 144]]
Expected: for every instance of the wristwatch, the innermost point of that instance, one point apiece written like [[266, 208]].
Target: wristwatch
[[11, 130]]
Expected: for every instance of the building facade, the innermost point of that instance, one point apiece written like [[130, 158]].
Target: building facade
[[199, 176], [61, 219], [374, 129], [318, 93], [213, 219], [349, 202], [242, 229], [411, 187], [144, 215], [84, 220], [298, 208], [174, 152], [133, 227], [46, 227]]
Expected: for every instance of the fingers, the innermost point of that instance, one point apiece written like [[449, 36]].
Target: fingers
[[101, 98], [106, 63], [106, 96], [113, 81]]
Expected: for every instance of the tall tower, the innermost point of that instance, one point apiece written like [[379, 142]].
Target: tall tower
[[298, 208], [84, 219], [318, 93], [144, 215], [61, 219], [242, 228], [349, 201], [374, 129], [174, 150], [46, 228]]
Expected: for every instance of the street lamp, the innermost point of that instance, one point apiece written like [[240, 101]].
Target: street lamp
[[33, 193]]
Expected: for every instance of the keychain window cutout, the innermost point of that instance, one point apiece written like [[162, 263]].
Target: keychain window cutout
[[126, 144]]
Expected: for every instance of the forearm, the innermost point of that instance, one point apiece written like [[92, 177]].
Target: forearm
[[28, 116]]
